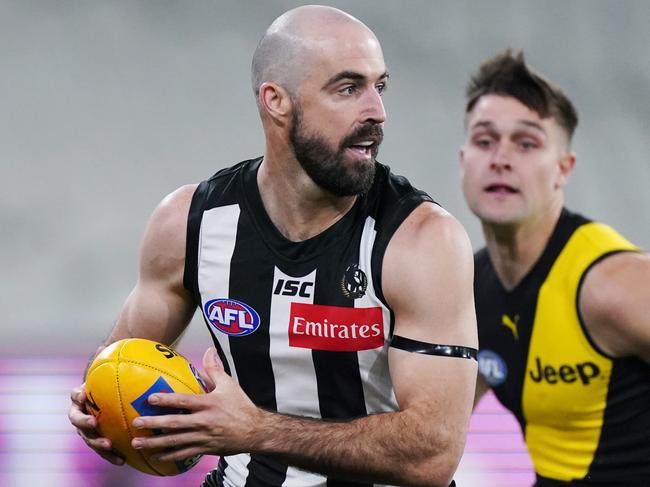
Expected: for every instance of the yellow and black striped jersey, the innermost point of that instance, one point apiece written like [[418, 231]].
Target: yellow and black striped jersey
[[585, 416]]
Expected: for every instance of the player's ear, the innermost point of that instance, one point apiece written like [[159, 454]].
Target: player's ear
[[566, 164], [275, 101]]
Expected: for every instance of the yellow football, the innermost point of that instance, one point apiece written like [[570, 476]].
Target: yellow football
[[118, 383]]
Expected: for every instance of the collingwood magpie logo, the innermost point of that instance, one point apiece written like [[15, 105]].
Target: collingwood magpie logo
[[354, 282]]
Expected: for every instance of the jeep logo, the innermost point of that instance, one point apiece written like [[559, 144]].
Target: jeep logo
[[585, 371]]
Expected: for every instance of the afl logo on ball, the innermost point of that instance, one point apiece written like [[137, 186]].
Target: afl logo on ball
[[231, 317], [354, 282]]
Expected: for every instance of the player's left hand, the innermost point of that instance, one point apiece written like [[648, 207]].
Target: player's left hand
[[222, 422]]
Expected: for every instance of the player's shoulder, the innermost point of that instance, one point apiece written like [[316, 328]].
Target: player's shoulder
[[167, 225], [180, 197], [235, 169], [431, 232], [429, 253], [432, 222], [613, 276], [163, 244], [175, 205]]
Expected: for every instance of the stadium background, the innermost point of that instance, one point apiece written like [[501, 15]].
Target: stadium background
[[105, 107]]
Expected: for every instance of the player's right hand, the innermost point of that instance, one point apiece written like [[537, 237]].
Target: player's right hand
[[86, 425]]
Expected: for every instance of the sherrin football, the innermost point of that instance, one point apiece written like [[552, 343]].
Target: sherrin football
[[118, 383]]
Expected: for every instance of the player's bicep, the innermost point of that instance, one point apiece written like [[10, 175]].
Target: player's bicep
[[154, 312], [159, 307], [427, 280]]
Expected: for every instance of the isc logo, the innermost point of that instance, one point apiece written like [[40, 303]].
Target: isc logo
[[567, 373], [290, 287], [231, 317]]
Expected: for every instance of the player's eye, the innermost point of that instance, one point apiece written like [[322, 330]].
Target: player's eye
[[483, 142], [528, 145]]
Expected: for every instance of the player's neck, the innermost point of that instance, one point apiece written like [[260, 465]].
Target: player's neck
[[298, 208], [514, 249]]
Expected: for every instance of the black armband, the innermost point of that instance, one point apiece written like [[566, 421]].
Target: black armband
[[417, 346]]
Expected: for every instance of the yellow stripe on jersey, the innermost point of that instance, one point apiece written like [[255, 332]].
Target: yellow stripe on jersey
[[567, 380]]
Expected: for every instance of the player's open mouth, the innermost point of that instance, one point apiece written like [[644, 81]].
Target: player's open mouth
[[363, 148], [501, 189]]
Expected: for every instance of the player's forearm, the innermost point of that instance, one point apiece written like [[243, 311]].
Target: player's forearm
[[396, 448]]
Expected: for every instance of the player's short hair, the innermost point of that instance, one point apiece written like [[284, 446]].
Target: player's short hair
[[278, 59], [507, 74]]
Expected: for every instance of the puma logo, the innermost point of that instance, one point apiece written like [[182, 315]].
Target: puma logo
[[511, 325]]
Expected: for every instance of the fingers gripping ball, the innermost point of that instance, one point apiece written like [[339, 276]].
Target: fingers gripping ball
[[118, 383]]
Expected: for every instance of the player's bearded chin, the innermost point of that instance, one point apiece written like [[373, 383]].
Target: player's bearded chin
[[327, 167]]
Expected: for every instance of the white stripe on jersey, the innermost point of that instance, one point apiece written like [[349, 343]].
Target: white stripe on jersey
[[375, 376], [216, 246], [301, 478], [296, 391], [237, 470]]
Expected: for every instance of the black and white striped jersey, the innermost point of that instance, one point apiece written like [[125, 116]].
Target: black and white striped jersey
[[302, 326]]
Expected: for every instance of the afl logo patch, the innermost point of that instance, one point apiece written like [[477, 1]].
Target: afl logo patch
[[231, 317], [492, 367], [354, 282]]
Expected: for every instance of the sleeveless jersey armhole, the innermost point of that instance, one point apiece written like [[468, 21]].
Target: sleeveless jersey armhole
[[194, 217], [400, 211], [583, 326]]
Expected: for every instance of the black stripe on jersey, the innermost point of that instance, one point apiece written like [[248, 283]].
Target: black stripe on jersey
[[190, 278], [345, 483], [340, 390], [265, 472], [547, 482], [392, 322], [625, 434], [215, 477], [251, 285], [251, 356]]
